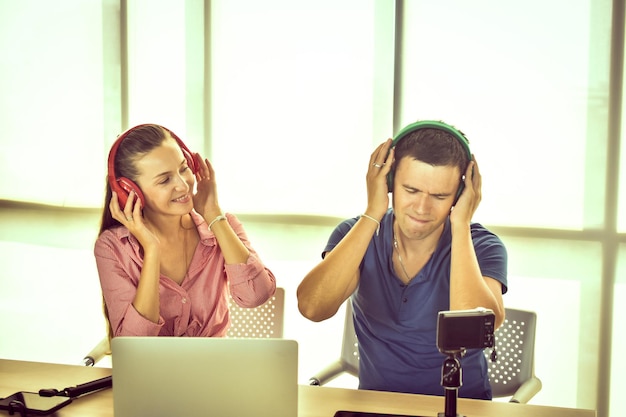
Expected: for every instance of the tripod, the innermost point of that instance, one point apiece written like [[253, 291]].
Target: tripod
[[451, 381]]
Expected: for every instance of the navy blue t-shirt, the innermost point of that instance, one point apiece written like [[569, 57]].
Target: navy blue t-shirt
[[396, 323]]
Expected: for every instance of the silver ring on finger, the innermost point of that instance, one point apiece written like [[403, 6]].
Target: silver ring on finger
[[377, 165]]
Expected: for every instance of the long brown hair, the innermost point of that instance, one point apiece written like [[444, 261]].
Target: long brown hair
[[137, 142]]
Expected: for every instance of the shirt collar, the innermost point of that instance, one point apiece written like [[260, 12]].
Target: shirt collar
[[206, 236]]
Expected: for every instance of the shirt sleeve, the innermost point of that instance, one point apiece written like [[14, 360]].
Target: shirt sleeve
[[491, 254], [119, 276], [251, 283], [340, 231]]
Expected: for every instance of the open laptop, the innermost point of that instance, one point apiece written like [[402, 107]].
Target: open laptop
[[204, 377]]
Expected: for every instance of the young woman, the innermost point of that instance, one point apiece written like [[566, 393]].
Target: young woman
[[167, 256]]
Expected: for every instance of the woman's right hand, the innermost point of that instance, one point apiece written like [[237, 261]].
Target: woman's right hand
[[132, 218]]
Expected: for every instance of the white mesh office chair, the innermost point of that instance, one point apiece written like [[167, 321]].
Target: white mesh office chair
[[266, 320], [511, 375], [348, 361]]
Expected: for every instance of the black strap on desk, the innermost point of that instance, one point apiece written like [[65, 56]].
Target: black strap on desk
[[78, 390]]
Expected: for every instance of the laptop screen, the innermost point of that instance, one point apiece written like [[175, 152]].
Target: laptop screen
[[193, 377]]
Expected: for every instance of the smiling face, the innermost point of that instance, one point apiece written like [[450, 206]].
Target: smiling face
[[166, 180], [422, 197]]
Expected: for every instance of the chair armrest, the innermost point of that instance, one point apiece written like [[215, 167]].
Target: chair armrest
[[526, 391], [98, 352], [327, 374]]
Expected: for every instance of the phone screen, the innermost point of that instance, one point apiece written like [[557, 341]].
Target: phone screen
[[33, 403], [343, 413]]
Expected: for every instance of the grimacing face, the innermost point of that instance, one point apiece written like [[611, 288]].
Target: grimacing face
[[423, 195]]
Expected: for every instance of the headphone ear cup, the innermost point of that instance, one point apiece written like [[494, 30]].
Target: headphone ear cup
[[390, 178], [123, 189], [459, 191], [191, 160]]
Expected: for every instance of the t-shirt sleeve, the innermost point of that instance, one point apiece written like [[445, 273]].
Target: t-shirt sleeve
[[340, 231], [492, 255]]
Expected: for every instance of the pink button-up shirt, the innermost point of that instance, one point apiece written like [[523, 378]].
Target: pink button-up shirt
[[196, 307]]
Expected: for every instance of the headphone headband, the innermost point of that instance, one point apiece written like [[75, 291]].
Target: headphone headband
[[433, 124], [430, 124]]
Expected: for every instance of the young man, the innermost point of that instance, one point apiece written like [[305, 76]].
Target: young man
[[402, 265]]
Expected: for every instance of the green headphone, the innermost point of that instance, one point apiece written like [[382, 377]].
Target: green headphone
[[430, 124]]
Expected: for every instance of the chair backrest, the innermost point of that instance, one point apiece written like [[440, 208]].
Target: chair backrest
[[350, 344], [515, 347], [264, 321]]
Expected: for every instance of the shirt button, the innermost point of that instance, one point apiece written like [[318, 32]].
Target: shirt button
[[184, 300], [404, 300]]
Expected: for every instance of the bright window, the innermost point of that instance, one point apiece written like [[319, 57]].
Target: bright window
[[526, 94], [292, 104], [57, 82]]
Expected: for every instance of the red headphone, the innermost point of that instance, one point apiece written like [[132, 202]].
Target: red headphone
[[123, 186]]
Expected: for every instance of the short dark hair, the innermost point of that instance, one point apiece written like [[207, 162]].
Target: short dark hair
[[436, 147]]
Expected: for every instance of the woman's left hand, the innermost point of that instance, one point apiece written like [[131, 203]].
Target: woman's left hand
[[205, 199]]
